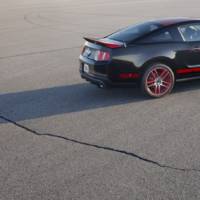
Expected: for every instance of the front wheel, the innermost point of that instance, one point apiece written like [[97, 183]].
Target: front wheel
[[158, 80]]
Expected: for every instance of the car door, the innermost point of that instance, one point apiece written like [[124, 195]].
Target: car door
[[189, 56]]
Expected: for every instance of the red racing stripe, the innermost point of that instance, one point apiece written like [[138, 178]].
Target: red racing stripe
[[187, 71]]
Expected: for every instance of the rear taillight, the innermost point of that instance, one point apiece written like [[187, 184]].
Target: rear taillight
[[102, 55]]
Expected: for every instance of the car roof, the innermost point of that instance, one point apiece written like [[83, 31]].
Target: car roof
[[168, 22], [125, 35], [173, 21]]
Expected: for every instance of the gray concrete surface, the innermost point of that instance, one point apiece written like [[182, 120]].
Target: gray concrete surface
[[67, 139]]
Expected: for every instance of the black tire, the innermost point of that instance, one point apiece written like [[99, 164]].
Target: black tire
[[157, 81]]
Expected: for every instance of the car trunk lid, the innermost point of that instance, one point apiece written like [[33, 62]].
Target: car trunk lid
[[100, 49]]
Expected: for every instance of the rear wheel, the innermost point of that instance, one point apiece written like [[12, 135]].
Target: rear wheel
[[158, 80]]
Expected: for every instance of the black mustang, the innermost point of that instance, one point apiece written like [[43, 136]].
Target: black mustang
[[155, 54]]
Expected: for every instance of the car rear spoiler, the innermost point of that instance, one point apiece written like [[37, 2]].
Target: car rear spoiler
[[106, 42]]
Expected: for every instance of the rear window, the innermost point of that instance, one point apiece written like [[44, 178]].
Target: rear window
[[133, 32]]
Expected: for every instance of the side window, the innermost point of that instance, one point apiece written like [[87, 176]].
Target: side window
[[190, 32], [162, 36]]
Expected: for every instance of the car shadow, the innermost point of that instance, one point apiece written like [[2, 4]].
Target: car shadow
[[63, 99], [187, 86], [72, 98]]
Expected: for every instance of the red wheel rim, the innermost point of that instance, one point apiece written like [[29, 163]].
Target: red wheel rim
[[159, 81]]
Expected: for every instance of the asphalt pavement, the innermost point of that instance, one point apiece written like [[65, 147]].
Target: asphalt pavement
[[62, 138]]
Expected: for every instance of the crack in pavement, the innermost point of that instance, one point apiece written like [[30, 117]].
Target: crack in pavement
[[38, 52], [106, 148]]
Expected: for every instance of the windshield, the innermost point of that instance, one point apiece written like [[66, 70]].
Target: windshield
[[133, 32]]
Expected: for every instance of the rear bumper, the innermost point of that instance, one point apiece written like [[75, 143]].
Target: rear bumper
[[103, 81], [102, 74], [97, 80], [97, 72]]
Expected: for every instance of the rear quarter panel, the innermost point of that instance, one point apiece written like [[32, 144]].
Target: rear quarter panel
[[141, 54]]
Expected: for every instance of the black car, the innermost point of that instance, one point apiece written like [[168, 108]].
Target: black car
[[154, 54]]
